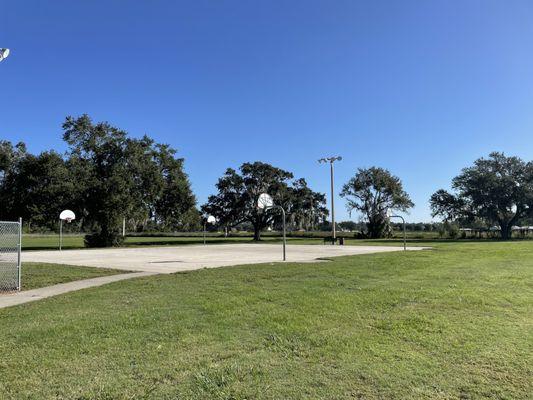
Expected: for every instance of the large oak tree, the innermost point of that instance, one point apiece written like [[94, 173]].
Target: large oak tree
[[497, 189], [238, 192], [125, 177], [104, 176], [373, 191]]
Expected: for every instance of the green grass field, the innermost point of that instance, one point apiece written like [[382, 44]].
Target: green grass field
[[45, 242], [453, 322], [51, 242], [37, 275]]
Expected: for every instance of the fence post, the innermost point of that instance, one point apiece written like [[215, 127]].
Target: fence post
[[19, 266]]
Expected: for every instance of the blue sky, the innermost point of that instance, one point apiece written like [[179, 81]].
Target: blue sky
[[422, 88]]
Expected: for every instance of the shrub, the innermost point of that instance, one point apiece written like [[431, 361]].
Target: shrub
[[103, 239]]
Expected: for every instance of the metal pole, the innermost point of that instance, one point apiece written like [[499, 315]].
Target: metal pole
[[331, 160], [332, 204], [205, 227], [404, 236], [124, 227], [19, 255], [284, 235], [60, 233], [284, 231]]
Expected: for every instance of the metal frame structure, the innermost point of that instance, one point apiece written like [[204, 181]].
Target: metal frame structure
[[284, 229], [265, 202], [208, 220], [404, 235], [66, 215], [10, 255]]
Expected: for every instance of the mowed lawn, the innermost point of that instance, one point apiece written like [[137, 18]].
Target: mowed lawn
[[37, 275], [51, 242], [453, 322]]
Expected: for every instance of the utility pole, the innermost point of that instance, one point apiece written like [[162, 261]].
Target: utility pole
[[331, 160]]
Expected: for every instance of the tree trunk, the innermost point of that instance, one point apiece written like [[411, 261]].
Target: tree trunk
[[505, 230], [257, 233]]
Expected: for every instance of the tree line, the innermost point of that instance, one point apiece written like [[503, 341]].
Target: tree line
[[495, 193], [106, 176]]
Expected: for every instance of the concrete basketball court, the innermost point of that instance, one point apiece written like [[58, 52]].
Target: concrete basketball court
[[169, 259]]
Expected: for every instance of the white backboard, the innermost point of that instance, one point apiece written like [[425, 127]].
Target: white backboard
[[67, 215], [265, 201]]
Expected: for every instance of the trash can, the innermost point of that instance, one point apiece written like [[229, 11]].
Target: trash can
[[341, 241]]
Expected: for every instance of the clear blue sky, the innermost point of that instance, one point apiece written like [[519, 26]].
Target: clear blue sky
[[419, 87]]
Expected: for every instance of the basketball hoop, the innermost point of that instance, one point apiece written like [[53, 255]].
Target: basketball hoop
[[264, 202], [66, 215]]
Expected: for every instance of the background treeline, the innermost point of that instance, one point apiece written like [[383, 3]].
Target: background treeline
[[104, 176]]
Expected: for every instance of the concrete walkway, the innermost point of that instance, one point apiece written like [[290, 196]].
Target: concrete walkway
[[14, 299]]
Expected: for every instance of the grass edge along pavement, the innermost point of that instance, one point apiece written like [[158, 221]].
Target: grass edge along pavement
[[28, 296], [37, 274], [453, 322]]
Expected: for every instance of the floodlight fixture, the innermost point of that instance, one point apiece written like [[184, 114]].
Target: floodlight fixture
[[3, 53], [329, 159]]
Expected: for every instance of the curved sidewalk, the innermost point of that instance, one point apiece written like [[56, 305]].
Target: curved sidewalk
[[14, 299]]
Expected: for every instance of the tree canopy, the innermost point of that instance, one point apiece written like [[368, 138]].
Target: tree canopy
[[373, 191], [497, 190], [104, 176], [238, 192]]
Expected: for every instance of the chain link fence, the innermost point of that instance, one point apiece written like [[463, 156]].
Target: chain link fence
[[10, 241]]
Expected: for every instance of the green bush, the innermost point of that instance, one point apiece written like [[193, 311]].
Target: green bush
[[103, 239]]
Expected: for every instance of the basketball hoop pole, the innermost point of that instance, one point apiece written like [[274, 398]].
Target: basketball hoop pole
[[60, 233], [265, 202], [68, 216], [284, 229]]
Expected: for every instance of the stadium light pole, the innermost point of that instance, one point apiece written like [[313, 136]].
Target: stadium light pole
[[331, 160], [3, 53]]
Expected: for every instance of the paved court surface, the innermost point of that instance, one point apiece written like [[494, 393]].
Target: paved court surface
[[169, 259]]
